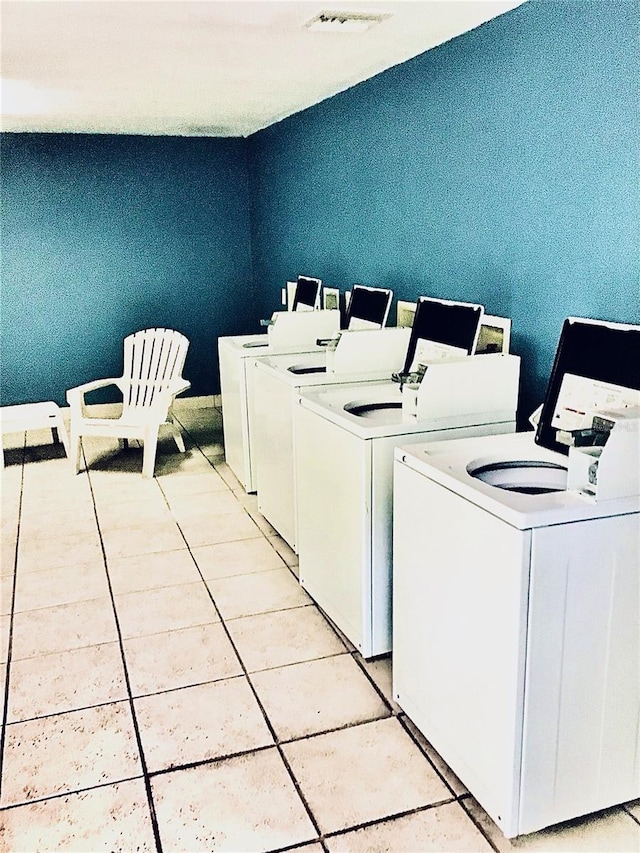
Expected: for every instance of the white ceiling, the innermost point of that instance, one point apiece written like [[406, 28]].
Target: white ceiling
[[197, 67]]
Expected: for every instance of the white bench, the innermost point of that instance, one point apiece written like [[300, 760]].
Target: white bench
[[34, 416]]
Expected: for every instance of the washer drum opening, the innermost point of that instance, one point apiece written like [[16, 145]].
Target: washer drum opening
[[526, 476], [385, 412]]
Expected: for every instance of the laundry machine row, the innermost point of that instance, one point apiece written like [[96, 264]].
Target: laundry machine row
[[302, 329], [337, 442]]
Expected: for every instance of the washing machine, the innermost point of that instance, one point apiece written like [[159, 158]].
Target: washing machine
[[345, 438], [288, 332], [360, 356], [516, 597]]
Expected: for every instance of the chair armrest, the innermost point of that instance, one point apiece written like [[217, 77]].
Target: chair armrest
[[75, 396], [179, 386]]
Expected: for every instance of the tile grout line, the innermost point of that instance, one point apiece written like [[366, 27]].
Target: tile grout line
[[5, 704], [272, 732], [358, 660], [477, 824], [143, 762]]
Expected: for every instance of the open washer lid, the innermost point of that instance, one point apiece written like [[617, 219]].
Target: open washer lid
[[597, 365], [454, 325]]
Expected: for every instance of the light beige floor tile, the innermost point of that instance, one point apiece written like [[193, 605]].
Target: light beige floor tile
[[204, 505], [379, 670], [12, 472], [6, 594], [168, 608], [206, 529], [151, 538], [269, 640], [38, 555], [113, 487], [153, 511], [7, 557], [247, 804], [55, 488], [228, 476], [9, 518], [609, 831], [175, 486], [314, 696], [151, 571], [68, 626], [9, 507], [9, 524], [443, 829], [314, 847], [112, 818], [363, 773], [35, 590], [5, 624], [3, 684], [245, 595], [457, 787], [66, 681], [104, 456], [261, 521], [200, 723], [634, 808], [214, 453], [236, 558], [180, 658], [250, 504], [172, 463], [60, 521], [209, 443], [68, 752], [286, 552], [39, 502], [43, 437]]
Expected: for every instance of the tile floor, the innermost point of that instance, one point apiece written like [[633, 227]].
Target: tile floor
[[168, 685]]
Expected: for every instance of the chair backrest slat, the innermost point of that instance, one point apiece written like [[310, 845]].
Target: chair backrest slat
[[153, 358]]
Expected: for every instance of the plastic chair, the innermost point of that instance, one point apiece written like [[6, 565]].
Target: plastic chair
[[153, 362]]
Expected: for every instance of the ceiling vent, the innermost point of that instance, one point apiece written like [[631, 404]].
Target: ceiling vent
[[343, 22]]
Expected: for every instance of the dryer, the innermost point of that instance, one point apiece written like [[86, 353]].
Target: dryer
[[288, 332], [516, 598]]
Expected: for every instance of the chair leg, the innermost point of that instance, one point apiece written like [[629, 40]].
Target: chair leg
[[177, 433], [150, 445], [75, 451]]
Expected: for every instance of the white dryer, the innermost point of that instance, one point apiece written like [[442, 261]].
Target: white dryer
[[288, 332], [516, 596]]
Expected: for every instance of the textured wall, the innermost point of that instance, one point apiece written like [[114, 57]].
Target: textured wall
[[104, 235], [501, 167]]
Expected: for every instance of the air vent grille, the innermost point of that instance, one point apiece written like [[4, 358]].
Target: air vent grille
[[343, 22]]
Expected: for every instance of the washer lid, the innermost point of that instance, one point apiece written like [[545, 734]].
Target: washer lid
[[595, 366]]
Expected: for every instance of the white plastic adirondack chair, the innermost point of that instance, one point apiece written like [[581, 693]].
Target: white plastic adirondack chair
[[153, 362]]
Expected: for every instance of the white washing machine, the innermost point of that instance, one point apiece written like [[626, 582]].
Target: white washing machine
[[516, 596], [274, 386], [289, 332], [352, 357], [345, 438]]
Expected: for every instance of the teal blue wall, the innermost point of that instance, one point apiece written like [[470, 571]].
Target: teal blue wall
[[104, 235], [501, 167]]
